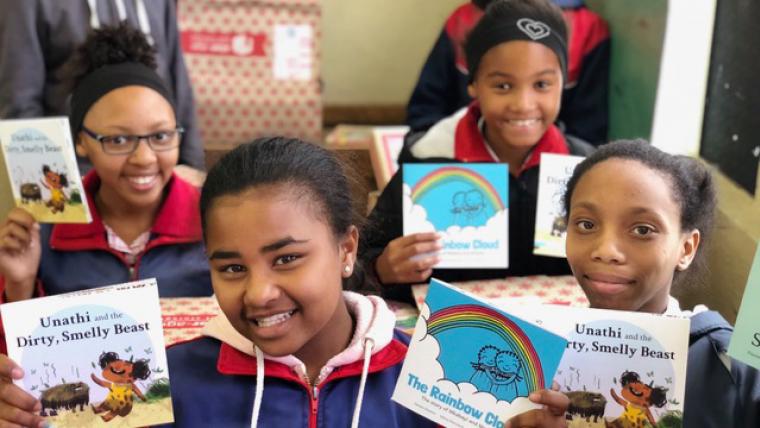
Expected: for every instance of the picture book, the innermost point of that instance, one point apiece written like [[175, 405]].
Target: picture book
[[94, 357], [467, 204], [620, 368], [551, 228], [41, 173], [745, 342], [472, 365]]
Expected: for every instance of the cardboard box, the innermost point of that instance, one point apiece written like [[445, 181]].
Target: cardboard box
[[254, 67]]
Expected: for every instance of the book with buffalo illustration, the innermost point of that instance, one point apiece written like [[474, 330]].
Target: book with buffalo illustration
[[745, 341], [41, 173], [467, 204], [94, 357], [471, 364], [620, 368], [555, 171]]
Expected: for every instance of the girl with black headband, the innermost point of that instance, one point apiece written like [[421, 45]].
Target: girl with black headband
[[145, 219], [517, 56]]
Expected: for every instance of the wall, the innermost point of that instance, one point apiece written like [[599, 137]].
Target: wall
[[637, 29], [372, 50]]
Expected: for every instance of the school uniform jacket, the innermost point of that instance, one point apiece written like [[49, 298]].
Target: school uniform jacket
[[77, 256], [721, 392], [459, 139], [214, 379], [442, 86]]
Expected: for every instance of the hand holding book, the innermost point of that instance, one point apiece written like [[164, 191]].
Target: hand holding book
[[17, 407], [409, 258], [19, 254]]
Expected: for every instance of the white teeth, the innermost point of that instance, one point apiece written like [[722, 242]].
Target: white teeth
[[142, 180], [274, 319], [523, 122]]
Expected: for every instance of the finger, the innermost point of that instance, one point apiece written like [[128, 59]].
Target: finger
[[419, 237], [21, 233], [9, 369], [22, 217], [555, 401], [419, 248], [16, 400], [417, 266], [13, 417], [12, 245], [528, 419]]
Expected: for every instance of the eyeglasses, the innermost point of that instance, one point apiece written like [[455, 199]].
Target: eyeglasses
[[126, 144]]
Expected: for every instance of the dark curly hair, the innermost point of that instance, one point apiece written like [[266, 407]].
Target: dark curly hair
[[140, 368], [691, 184], [658, 396], [107, 46]]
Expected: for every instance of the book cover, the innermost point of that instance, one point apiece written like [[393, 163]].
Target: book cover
[[745, 342], [467, 204], [41, 173], [620, 368], [470, 364], [94, 357], [555, 172]]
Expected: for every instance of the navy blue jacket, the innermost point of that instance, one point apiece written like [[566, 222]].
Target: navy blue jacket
[[716, 395], [213, 385]]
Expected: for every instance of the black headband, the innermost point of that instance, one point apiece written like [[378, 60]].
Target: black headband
[[528, 29], [107, 78]]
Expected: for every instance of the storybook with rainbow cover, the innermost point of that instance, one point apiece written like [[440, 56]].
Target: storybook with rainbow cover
[[471, 364], [467, 204]]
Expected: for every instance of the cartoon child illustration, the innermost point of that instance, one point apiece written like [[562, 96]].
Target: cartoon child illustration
[[497, 372], [475, 206], [457, 208], [486, 363], [121, 375], [55, 182], [640, 397], [506, 376]]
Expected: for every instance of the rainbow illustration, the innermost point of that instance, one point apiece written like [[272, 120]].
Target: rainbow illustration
[[457, 173], [475, 316]]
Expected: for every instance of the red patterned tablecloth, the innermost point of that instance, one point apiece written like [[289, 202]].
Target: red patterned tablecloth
[[184, 317]]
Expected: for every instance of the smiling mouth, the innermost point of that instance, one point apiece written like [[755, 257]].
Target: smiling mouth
[[523, 123], [273, 319]]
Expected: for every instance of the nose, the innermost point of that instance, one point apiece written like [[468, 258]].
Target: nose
[[143, 154], [607, 248], [260, 290], [523, 99]]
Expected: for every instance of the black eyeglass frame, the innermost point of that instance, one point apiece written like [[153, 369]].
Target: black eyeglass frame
[[176, 134]]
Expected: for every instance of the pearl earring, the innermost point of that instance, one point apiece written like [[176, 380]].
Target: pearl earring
[[347, 269]]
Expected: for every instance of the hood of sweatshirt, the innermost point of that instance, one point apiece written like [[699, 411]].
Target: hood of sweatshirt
[[375, 324]]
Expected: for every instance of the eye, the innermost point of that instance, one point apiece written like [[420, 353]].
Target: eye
[[161, 136], [232, 268], [584, 225], [643, 230], [543, 84], [502, 86], [116, 140], [286, 259]]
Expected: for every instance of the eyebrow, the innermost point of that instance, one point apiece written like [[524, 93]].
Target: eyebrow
[[155, 125], [280, 243], [498, 73]]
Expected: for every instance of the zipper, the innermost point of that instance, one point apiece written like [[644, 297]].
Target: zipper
[[314, 404]]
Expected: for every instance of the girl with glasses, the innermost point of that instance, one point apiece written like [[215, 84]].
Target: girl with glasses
[[145, 219]]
